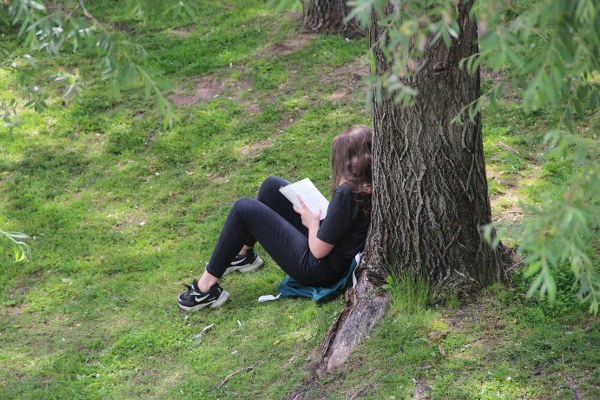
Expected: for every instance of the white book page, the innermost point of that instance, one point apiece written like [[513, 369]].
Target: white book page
[[309, 193]]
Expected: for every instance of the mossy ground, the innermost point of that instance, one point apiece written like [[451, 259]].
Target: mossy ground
[[123, 212]]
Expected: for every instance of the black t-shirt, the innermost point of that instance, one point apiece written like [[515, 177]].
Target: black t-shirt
[[345, 227]]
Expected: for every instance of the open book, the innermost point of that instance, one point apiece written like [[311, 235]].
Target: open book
[[309, 193]]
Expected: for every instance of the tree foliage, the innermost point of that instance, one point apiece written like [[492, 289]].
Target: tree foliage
[[20, 247], [53, 27], [548, 52]]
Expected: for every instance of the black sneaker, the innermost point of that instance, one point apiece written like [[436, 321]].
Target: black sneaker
[[247, 263], [194, 299]]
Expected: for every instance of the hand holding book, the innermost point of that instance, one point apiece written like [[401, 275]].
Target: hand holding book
[[311, 196], [310, 219]]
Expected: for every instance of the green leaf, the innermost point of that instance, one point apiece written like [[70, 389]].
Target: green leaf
[[594, 99], [36, 5], [18, 235], [361, 10], [535, 284], [445, 36], [4, 20], [549, 285], [533, 268], [568, 119], [115, 89], [147, 89], [189, 10]]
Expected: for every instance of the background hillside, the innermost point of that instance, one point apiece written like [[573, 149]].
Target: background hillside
[[123, 211]]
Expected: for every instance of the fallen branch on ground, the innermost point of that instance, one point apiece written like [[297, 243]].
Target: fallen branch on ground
[[244, 369]]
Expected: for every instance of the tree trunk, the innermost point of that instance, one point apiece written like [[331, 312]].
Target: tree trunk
[[430, 196], [327, 16], [430, 189]]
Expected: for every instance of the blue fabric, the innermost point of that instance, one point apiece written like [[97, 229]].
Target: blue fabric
[[289, 287]]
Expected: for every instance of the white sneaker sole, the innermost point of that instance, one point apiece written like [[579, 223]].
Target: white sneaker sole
[[246, 268], [214, 304]]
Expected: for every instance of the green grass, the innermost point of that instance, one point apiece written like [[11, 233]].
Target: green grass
[[123, 212], [501, 347]]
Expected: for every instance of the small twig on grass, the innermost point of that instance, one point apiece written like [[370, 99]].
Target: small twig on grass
[[361, 390], [576, 391], [507, 147], [244, 369], [515, 265], [421, 390], [504, 182]]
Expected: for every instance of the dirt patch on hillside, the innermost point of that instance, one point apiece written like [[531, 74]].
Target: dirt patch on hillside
[[16, 310], [251, 150], [253, 108], [339, 95], [286, 47], [20, 289], [209, 87], [496, 78], [352, 73], [345, 79], [236, 89], [505, 204], [150, 139], [122, 26], [348, 77], [183, 32], [285, 122], [510, 216]]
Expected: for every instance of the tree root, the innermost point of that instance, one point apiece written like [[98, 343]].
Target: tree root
[[366, 304]]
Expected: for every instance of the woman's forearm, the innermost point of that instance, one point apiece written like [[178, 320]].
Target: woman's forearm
[[317, 247]]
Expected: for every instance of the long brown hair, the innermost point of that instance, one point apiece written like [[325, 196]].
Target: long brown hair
[[351, 160]]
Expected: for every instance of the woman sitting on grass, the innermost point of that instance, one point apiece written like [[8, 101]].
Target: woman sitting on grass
[[312, 252]]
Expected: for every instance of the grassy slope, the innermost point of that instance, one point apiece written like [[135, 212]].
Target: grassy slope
[[124, 211]]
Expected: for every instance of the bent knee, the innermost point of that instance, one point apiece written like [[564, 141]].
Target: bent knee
[[243, 203], [270, 186]]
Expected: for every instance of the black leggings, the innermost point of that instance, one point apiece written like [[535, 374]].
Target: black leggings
[[271, 219]]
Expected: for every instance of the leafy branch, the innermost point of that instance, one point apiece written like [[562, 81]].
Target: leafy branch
[[70, 26], [20, 247]]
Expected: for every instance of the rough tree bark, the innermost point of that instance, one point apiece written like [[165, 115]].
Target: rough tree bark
[[327, 16], [430, 195]]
